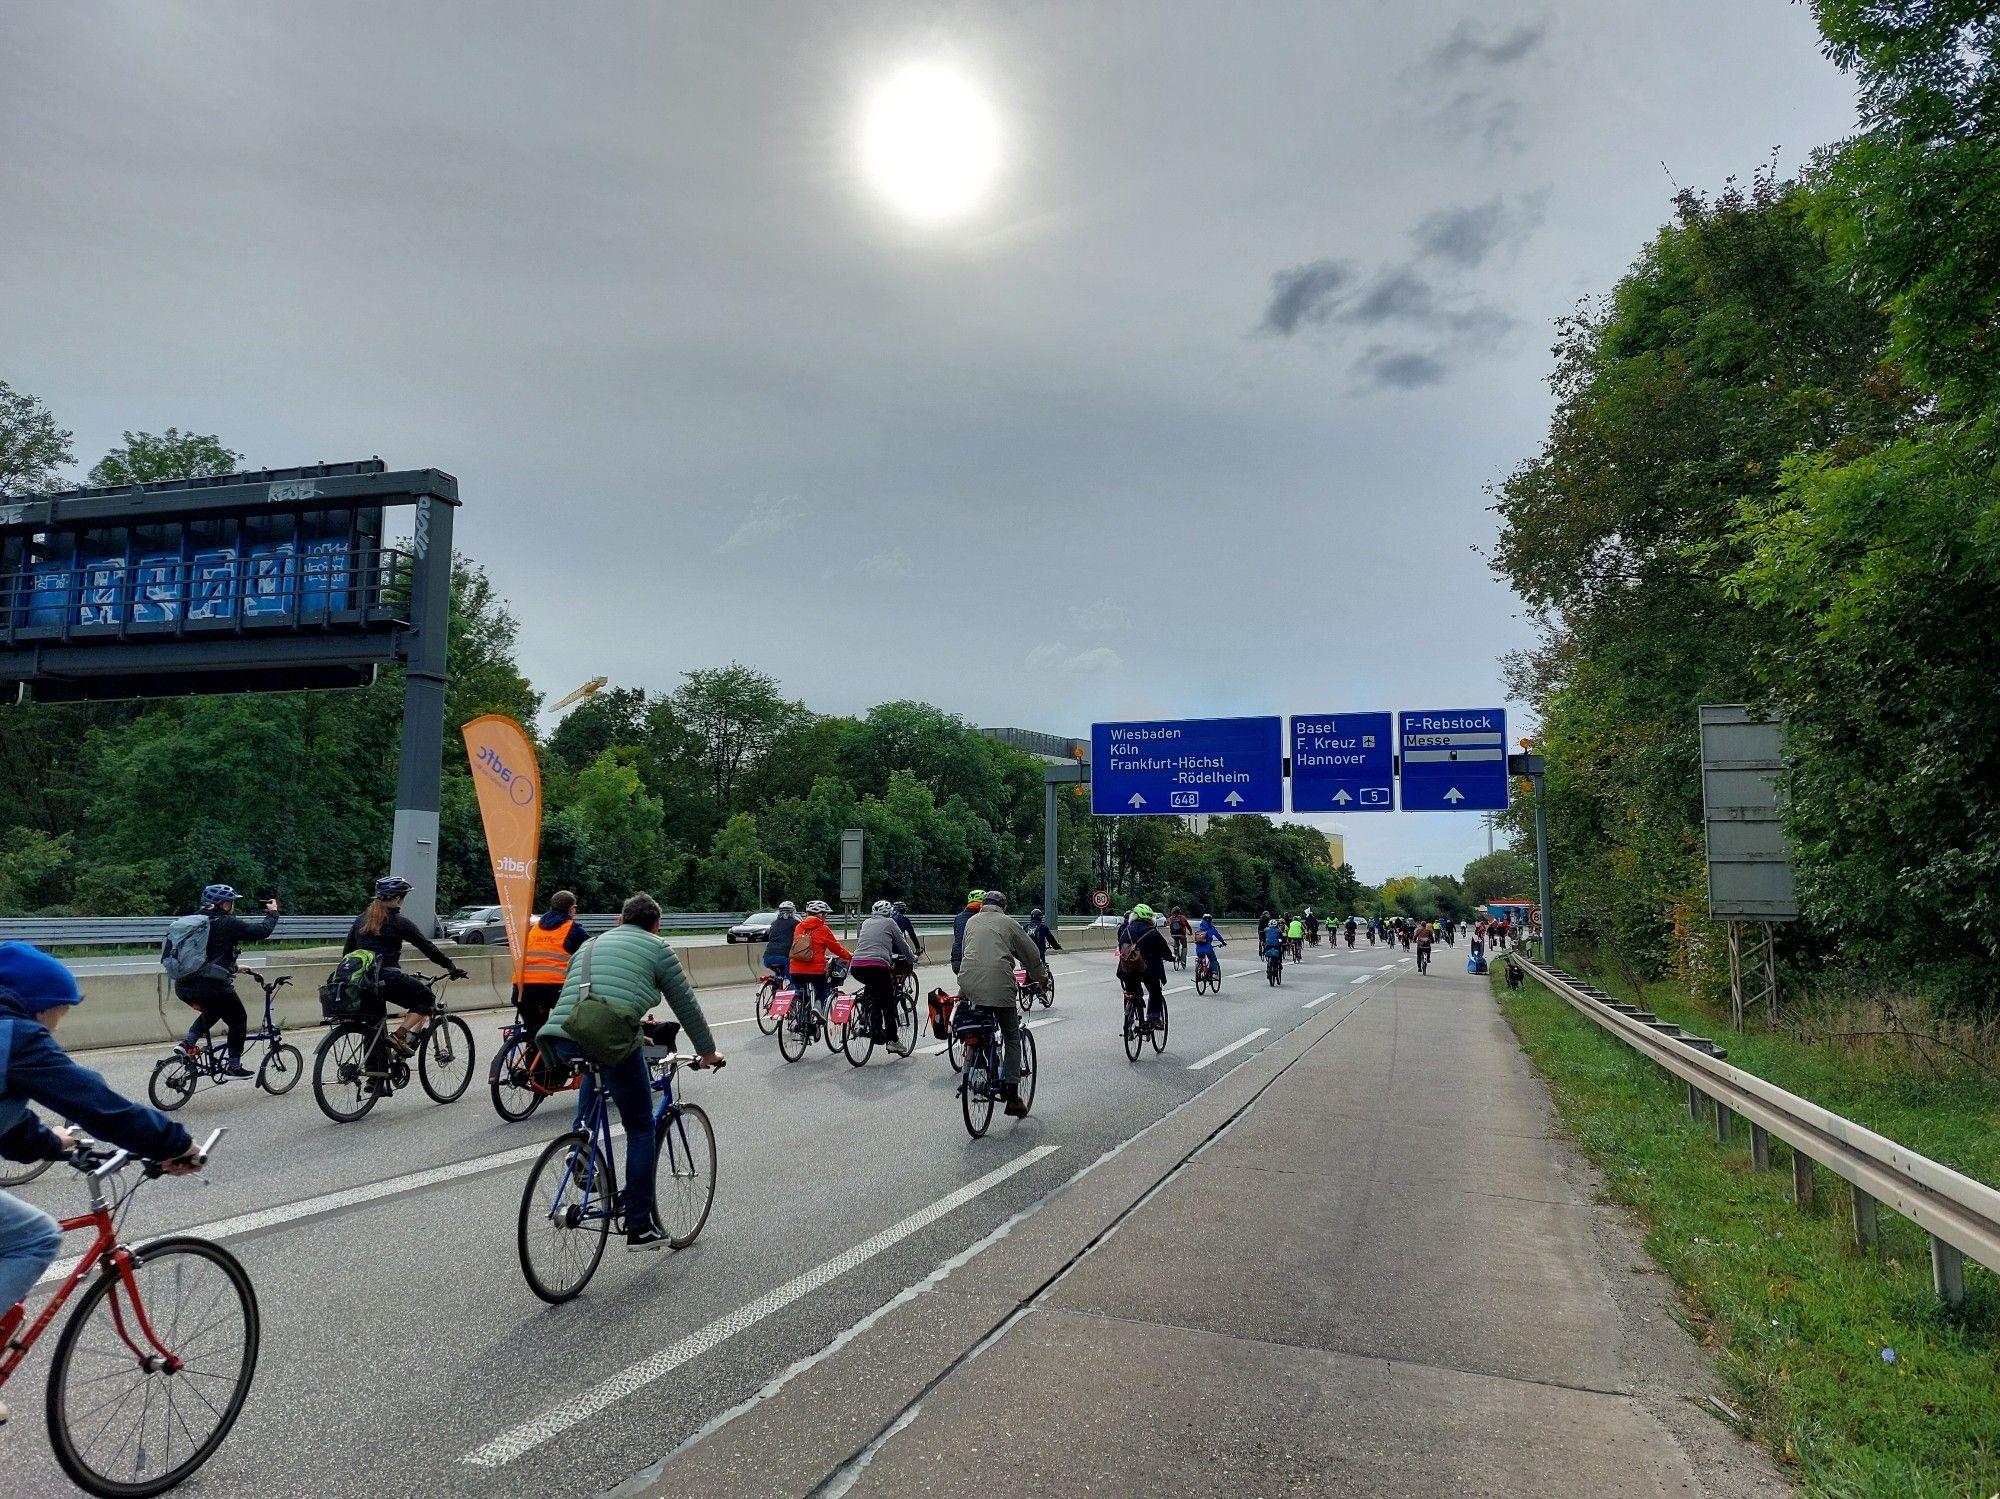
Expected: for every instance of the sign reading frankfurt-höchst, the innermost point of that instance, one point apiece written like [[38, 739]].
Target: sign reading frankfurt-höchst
[[1454, 759], [1181, 767]]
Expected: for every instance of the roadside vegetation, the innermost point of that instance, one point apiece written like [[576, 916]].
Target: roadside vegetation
[[1846, 1365]]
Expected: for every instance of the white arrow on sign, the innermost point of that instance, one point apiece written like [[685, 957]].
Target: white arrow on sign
[[1137, 800], [1233, 799], [1454, 795], [1342, 796]]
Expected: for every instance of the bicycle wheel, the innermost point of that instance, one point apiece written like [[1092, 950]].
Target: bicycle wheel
[[1024, 997], [281, 1069], [766, 1021], [565, 1217], [172, 1083], [906, 1023], [793, 1038], [686, 1174], [1025, 1083], [444, 1059], [123, 1423], [1160, 1030], [975, 1089], [514, 1099], [855, 1038], [20, 1173], [340, 1085], [954, 1051], [1134, 1040]]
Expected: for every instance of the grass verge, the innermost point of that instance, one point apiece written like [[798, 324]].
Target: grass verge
[[1847, 1366]]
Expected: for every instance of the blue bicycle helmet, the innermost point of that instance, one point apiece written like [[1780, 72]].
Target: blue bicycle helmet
[[391, 886], [215, 895]]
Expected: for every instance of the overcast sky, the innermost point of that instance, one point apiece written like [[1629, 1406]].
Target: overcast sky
[[1192, 412]]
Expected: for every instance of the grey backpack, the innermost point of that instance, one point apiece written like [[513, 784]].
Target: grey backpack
[[185, 952]]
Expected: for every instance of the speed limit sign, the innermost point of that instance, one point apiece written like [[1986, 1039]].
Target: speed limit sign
[[1101, 900]]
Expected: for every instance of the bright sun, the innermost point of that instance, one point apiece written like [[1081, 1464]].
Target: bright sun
[[930, 142]]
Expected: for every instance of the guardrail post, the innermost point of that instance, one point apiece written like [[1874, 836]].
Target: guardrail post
[[1696, 1098], [1802, 1178], [1947, 1271], [1866, 1235], [1723, 1119], [1760, 1147]]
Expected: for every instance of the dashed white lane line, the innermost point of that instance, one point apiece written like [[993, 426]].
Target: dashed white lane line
[[1314, 1004], [1237, 1045], [1032, 1025], [552, 1423], [1361, 978]]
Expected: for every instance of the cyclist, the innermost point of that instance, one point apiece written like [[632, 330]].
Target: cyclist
[[994, 943], [631, 967], [778, 943], [811, 943], [553, 937], [1312, 927], [211, 992], [881, 945], [1295, 933], [1042, 932], [1350, 932], [1177, 928], [1273, 945], [36, 991], [958, 927], [909, 927], [1425, 936], [1206, 940], [1140, 932], [382, 930]]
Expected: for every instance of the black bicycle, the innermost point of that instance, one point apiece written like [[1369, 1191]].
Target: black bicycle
[[857, 1039], [1139, 1030], [1274, 969], [982, 1082], [1180, 949], [176, 1075], [346, 1087]]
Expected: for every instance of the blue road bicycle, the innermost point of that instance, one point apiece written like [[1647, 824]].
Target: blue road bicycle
[[570, 1205]]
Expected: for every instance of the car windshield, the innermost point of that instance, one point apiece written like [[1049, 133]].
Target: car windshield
[[463, 913], [759, 918]]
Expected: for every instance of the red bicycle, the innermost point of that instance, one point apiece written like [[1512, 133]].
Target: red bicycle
[[152, 1369]]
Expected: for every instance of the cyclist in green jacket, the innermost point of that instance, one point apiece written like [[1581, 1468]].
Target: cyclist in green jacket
[[630, 968]]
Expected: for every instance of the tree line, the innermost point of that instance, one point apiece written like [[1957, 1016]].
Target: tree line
[[1771, 477]]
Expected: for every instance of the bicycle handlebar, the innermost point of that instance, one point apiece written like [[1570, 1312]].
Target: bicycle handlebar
[[88, 1156]]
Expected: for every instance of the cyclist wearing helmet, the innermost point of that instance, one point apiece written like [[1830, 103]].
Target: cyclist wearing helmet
[[36, 991], [1042, 932], [877, 950], [1206, 940], [909, 927], [958, 927], [1140, 932], [211, 992], [382, 930], [778, 943], [811, 943]]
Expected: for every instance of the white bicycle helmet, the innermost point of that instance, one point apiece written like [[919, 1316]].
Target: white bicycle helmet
[[818, 908]]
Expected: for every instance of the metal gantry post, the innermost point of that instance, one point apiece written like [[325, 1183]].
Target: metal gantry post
[[1050, 811], [413, 842]]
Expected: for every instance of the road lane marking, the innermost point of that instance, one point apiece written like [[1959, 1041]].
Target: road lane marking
[[552, 1423], [1236, 1045], [1314, 1004], [1032, 1025], [1361, 978], [1385, 967]]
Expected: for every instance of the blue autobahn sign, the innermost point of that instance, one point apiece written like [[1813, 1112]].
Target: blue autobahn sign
[[1343, 762], [1454, 760], [1183, 767]]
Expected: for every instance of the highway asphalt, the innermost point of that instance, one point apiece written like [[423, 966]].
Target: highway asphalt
[[404, 1355]]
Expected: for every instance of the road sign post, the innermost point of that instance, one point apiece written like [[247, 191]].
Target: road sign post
[[1187, 767], [1343, 762], [1454, 759]]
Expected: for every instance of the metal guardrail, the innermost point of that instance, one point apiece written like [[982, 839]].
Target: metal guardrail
[[146, 931], [1961, 1215]]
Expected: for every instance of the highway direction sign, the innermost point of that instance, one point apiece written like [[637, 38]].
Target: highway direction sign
[[1343, 762], [1454, 760], [1187, 766]]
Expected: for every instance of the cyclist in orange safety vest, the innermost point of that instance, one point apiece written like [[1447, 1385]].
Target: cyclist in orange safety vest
[[554, 935]]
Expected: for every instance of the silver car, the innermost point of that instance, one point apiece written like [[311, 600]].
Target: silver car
[[476, 925]]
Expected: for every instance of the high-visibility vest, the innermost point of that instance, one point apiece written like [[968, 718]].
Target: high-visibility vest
[[546, 962]]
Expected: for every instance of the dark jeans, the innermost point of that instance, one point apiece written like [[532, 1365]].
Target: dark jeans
[[878, 993], [1156, 999], [532, 1002], [631, 1088], [217, 1000]]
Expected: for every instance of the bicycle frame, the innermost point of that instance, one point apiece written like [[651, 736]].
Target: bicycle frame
[[597, 1127]]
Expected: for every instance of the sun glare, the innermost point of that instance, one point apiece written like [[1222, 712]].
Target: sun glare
[[930, 142]]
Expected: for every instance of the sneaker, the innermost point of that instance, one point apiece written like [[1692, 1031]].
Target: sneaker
[[237, 1069], [403, 1046], [652, 1236], [1016, 1109]]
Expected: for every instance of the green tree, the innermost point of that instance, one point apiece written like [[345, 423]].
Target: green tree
[[1497, 875], [33, 448], [145, 457]]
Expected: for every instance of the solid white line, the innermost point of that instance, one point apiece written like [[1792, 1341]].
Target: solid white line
[[333, 1202], [1313, 1004], [524, 1438], [1236, 1045]]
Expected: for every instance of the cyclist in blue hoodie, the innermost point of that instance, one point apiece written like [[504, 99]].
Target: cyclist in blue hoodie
[[36, 992], [1206, 940]]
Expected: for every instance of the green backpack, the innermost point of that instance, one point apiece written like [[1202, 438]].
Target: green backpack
[[351, 984]]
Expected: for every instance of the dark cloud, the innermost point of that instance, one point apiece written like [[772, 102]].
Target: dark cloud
[[1384, 368], [1470, 42], [1487, 118], [1306, 294], [1394, 295], [1466, 237]]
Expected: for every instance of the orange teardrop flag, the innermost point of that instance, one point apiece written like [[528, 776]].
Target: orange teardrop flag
[[509, 785]]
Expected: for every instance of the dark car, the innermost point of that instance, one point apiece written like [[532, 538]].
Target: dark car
[[756, 927]]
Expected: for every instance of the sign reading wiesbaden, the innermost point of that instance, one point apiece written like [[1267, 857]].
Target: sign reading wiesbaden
[[1454, 760], [1183, 767], [1343, 762]]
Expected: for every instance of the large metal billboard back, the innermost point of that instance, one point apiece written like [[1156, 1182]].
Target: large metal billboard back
[[1749, 862]]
